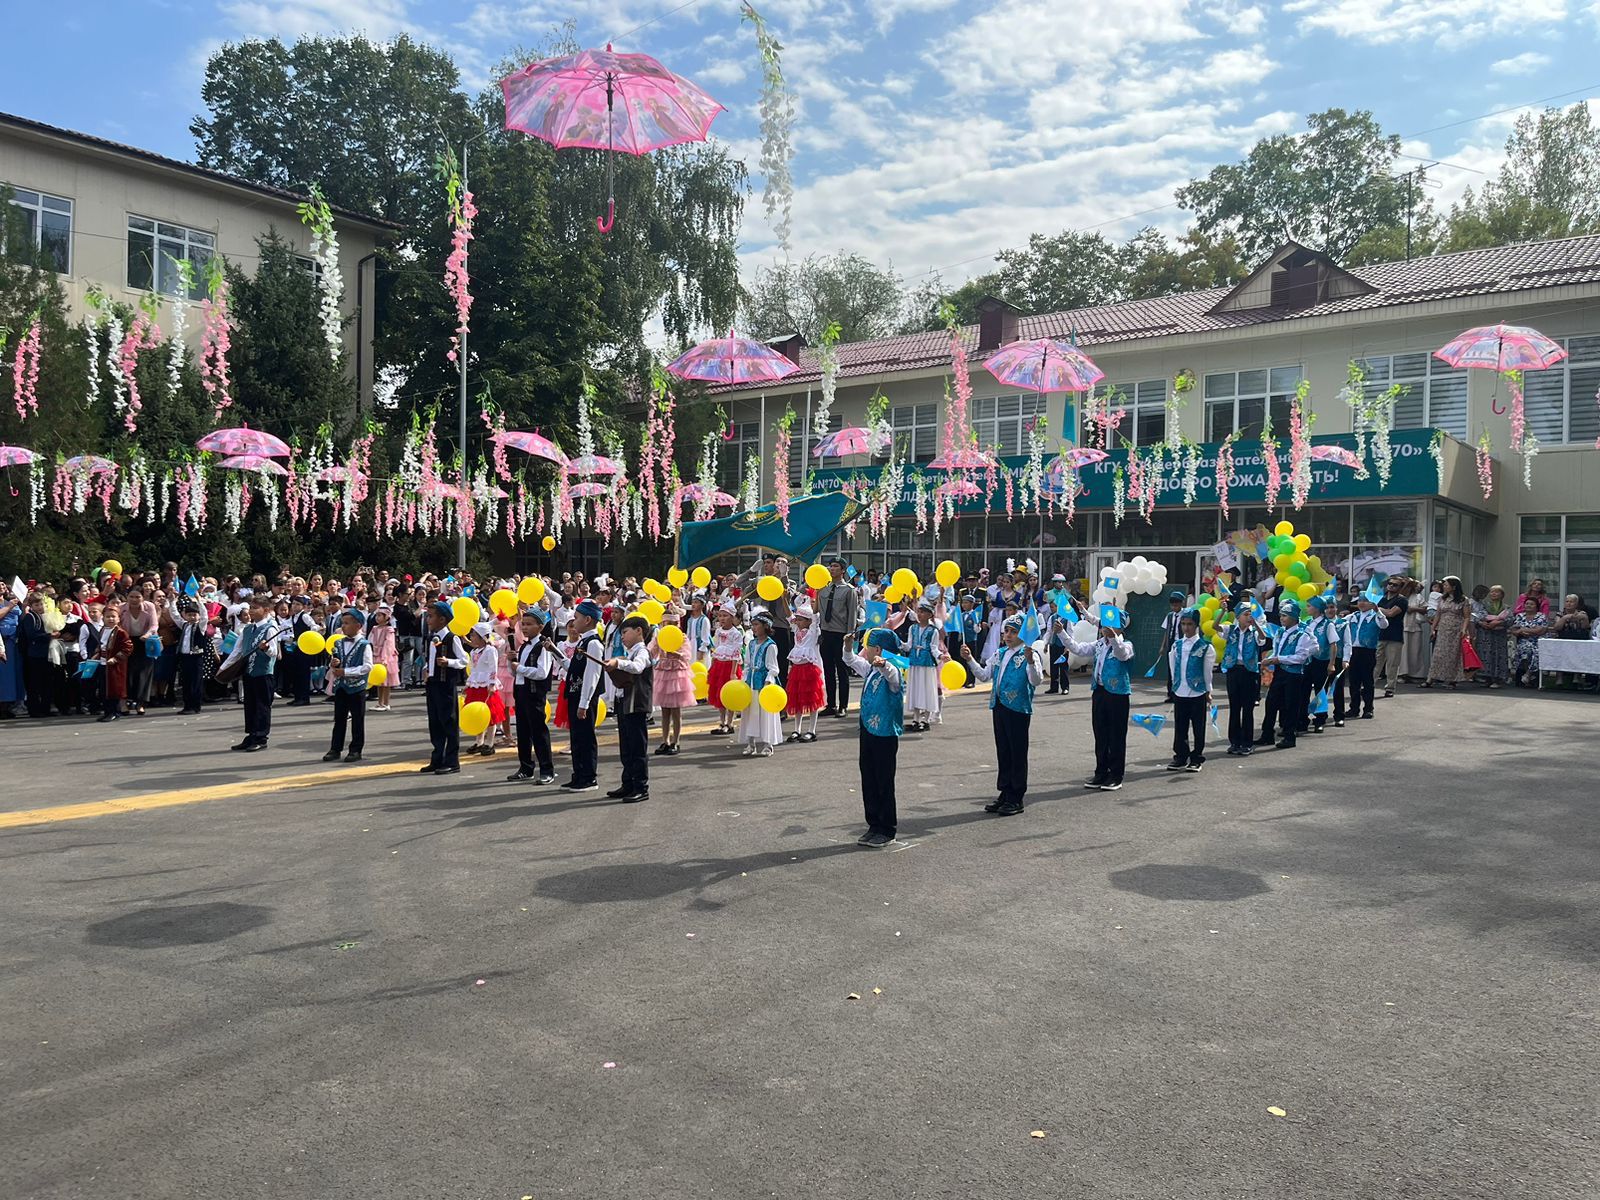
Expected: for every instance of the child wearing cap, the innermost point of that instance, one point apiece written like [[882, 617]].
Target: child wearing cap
[[882, 711], [446, 660], [582, 693], [760, 730], [727, 655], [806, 694], [1190, 665], [922, 677], [630, 672], [1361, 636], [350, 664], [1108, 701], [1286, 698], [483, 683], [385, 652], [533, 666], [1169, 632], [1241, 669], [1319, 667], [1016, 674]]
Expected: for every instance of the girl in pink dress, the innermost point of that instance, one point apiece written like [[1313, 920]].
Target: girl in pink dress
[[674, 682], [385, 652]]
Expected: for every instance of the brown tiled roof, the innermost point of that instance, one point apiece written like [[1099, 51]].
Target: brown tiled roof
[[1499, 270], [187, 168]]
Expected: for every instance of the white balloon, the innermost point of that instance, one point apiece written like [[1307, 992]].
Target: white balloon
[[1101, 595], [1107, 572], [1082, 632], [1139, 560]]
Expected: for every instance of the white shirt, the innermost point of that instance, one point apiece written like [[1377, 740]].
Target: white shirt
[[533, 661], [89, 636], [435, 641], [728, 644], [485, 666], [998, 670], [1177, 659], [1099, 648], [635, 659], [806, 647], [863, 668]]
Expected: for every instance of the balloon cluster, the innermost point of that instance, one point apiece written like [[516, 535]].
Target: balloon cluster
[[1137, 576], [1299, 574], [1213, 620]]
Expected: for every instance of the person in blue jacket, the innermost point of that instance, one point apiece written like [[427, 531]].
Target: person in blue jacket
[[882, 722], [1108, 702], [1016, 673], [1287, 696]]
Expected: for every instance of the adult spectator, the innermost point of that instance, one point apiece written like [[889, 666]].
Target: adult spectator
[[1572, 624], [1449, 626], [11, 686], [1536, 589], [140, 619], [1418, 629], [1491, 622], [839, 609], [1528, 625], [1391, 639]]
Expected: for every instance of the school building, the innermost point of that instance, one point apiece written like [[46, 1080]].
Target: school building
[[1299, 317]]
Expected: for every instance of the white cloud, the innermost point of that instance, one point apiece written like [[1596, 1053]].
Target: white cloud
[[290, 19], [1450, 22], [725, 71], [1529, 62]]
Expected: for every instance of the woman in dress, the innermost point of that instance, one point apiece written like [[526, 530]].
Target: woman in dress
[[1449, 624], [1491, 621], [1527, 627], [1572, 624]]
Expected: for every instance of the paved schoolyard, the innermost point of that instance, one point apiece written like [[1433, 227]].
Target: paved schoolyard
[[251, 976]]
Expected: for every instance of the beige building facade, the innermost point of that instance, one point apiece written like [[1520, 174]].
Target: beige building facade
[[121, 219]]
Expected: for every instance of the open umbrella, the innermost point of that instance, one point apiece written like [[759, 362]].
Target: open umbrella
[[582, 491], [572, 101], [1078, 456], [1502, 348], [854, 439], [337, 475], [959, 489], [731, 360], [593, 464], [243, 441], [530, 443], [255, 462], [699, 491], [1336, 454], [1044, 365], [15, 456], [967, 458], [93, 464], [438, 489]]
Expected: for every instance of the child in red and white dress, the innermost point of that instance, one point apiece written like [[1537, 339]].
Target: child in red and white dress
[[805, 676], [727, 662], [483, 683]]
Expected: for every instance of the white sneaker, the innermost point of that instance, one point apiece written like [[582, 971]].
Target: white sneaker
[[765, 751], [749, 749]]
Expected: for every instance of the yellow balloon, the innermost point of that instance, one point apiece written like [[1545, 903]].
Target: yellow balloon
[[947, 573], [1208, 626], [735, 695], [769, 588], [1219, 643], [465, 608], [1307, 590], [702, 687], [457, 626], [818, 576], [906, 579], [531, 590], [111, 567], [700, 576], [697, 667], [891, 594], [953, 675], [311, 642], [474, 718], [649, 586], [774, 699], [378, 676], [677, 576], [503, 603], [547, 711], [549, 543], [599, 712], [1284, 529], [1302, 542], [670, 639], [651, 610], [332, 641]]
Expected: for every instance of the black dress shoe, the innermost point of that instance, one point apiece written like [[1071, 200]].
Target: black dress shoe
[[352, 757], [1286, 744], [994, 805], [619, 793], [635, 797], [427, 770], [331, 756], [830, 711], [1009, 809], [874, 840], [254, 746], [448, 771], [1095, 782], [663, 749]]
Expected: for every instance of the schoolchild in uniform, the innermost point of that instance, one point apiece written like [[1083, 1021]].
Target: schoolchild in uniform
[[1055, 647], [1190, 665], [443, 672], [298, 666], [630, 671], [759, 730], [385, 652], [194, 639], [1339, 664], [966, 633], [1016, 673], [115, 649], [1169, 631], [882, 721], [1287, 696], [1108, 707], [1241, 668], [674, 680], [582, 692], [534, 666], [727, 657], [1363, 636], [922, 677], [697, 632], [350, 662], [258, 646], [91, 633], [483, 683], [805, 686], [1319, 667]]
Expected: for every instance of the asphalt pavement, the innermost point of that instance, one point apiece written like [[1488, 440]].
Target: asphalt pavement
[[1363, 968]]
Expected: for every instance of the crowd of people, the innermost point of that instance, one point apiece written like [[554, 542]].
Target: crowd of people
[[566, 649]]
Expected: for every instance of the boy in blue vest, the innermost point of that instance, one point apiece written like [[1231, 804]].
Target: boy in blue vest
[[882, 722], [1362, 636], [350, 662], [258, 646], [1320, 666], [1190, 665], [1015, 673], [1287, 696], [1241, 668], [1108, 703]]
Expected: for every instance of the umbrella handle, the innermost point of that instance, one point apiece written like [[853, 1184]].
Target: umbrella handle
[[1496, 407], [604, 224]]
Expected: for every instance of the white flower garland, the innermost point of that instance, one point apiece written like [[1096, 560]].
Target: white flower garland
[[91, 335], [114, 336]]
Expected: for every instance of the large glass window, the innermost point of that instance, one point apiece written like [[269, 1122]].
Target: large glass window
[[1561, 401], [916, 431], [1145, 404], [1238, 401], [155, 249], [1460, 540], [803, 442], [47, 221], [1564, 551], [1435, 395], [1003, 421], [735, 452]]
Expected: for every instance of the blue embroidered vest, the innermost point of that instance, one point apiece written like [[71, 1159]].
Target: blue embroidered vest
[[1364, 630], [1289, 643], [1241, 650], [258, 665], [1194, 666], [1110, 672], [1013, 688], [349, 652], [1322, 629], [922, 645], [882, 707], [756, 669]]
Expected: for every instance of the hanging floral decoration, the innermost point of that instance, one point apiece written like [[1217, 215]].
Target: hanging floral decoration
[[25, 369], [1224, 471], [317, 216], [777, 124], [176, 349], [1176, 401], [1486, 464], [1300, 422], [462, 212], [1191, 471], [143, 334], [828, 364], [216, 336], [1119, 496], [780, 465]]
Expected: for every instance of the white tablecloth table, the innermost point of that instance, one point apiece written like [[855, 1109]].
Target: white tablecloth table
[[1561, 654]]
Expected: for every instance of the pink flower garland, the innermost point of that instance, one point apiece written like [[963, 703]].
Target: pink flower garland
[[25, 372], [1519, 415], [1224, 473], [143, 334], [456, 279], [216, 338], [1299, 455], [957, 429], [1485, 465], [1269, 455]]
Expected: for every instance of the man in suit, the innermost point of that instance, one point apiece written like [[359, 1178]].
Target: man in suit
[[838, 607]]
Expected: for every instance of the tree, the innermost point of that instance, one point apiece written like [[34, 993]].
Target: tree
[[1069, 270], [1327, 188], [806, 297], [1194, 262], [1548, 186], [926, 304]]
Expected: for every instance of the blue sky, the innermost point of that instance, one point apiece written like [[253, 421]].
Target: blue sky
[[931, 133]]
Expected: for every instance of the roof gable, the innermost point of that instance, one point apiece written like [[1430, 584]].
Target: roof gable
[[1295, 277]]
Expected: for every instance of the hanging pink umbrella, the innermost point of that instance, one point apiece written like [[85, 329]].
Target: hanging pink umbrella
[[254, 462], [968, 458], [1081, 456], [1044, 365], [530, 443], [854, 439], [699, 491], [496, 492], [960, 489], [572, 101], [438, 489], [243, 441], [90, 463], [1336, 454], [593, 464], [731, 360], [1502, 348], [582, 491], [15, 456]]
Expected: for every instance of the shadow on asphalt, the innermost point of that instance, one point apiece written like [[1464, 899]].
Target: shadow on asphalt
[[1188, 881], [178, 925]]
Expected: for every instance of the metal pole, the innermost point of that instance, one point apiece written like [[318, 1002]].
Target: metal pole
[[461, 529]]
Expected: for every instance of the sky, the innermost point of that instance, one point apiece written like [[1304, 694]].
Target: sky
[[930, 133]]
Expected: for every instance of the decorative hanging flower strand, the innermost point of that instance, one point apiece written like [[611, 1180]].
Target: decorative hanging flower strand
[[215, 340], [317, 216], [456, 279], [25, 370], [777, 122]]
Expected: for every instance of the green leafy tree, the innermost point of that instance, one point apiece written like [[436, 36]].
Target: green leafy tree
[[1194, 262], [805, 297], [1068, 270], [1548, 186], [928, 303], [1326, 188]]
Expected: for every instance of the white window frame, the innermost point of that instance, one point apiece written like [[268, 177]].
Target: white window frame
[[1419, 389], [1138, 397], [311, 266], [42, 203], [1235, 396], [1563, 545], [191, 240], [1576, 398], [800, 460], [733, 453], [995, 417], [909, 422]]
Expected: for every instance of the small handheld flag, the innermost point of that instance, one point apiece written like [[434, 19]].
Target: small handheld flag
[[192, 588], [1152, 723], [1215, 709], [1151, 673]]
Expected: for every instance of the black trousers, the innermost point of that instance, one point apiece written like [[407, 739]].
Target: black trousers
[[1316, 674], [351, 708], [877, 757], [1060, 670], [533, 734], [1108, 713], [92, 692], [1363, 662], [581, 744], [257, 708], [1011, 752], [633, 745], [444, 724], [1189, 722], [141, 669], [1244, 691], [39, 685], [783, 639], [1286, 700], [834, 671], [192, 679], [297, 675], [69, 688]]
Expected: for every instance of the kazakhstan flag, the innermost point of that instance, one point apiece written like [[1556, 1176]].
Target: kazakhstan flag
[[812, 521]]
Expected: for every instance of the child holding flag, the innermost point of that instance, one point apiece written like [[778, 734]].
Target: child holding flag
[[882, 721], [1016, 674], [1109, 701], [1190, 665], [922, 677]]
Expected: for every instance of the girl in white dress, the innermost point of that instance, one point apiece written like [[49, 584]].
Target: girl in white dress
[[760, 730], [924, 649]]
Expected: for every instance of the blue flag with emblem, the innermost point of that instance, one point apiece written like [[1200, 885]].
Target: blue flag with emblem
[[811, 521], [874, 613], [1215, 709], [192, 588], [899, 660], [1319, 702], [1030, 628], [1152, 723]]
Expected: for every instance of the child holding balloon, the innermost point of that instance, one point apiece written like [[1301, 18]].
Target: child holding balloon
[[760, 729], [727, 655], [385, 654], [631, 672], [483, 683], [922, 676], [674, 681], [805, 689], [350, 662]]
